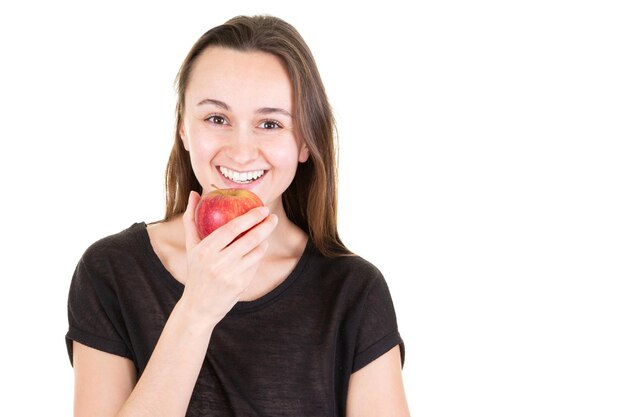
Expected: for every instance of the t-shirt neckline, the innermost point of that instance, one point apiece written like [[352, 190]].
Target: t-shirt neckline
[[240, 307]]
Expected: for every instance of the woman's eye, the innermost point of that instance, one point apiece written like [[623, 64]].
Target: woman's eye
[[270, 124], [215, 119]]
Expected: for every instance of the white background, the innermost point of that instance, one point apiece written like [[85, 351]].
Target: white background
[[482, 166]]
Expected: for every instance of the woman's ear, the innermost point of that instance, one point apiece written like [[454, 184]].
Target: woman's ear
[[183, 136], [304, 154]]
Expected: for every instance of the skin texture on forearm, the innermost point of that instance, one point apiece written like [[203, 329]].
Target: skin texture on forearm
[[167, 383]]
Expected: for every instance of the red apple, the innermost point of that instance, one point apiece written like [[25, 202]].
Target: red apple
[[221, 206]]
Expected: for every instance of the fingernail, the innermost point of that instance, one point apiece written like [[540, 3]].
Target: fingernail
[[264, 210]]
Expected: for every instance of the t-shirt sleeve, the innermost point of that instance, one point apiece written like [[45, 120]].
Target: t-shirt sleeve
[[93, 313], [378, 328]]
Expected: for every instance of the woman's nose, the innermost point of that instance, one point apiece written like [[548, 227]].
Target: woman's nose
[[242, 147]]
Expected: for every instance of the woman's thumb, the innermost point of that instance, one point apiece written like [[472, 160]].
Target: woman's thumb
[[189, 221]]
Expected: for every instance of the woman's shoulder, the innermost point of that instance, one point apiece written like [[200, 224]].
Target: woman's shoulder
[[117, 245], [110, 260], [350, 283], [352, 268]]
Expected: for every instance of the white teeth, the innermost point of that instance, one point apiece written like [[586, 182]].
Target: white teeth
[[242, 177]]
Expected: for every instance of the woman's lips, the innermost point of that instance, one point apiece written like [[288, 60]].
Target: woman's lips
[[236, 178]]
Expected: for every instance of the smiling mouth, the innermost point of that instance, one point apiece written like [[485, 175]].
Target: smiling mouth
[[241, 177]]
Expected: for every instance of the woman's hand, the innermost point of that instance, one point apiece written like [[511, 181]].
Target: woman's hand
[[220, 268]]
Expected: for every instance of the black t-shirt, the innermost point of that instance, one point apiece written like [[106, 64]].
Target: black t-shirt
[[289, 353]]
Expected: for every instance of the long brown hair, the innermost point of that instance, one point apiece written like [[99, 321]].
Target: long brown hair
[[311, 199]]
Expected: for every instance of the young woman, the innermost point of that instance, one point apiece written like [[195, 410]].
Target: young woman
[[283, 321]]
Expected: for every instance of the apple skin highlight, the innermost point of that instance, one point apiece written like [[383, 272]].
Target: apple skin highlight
[[221, 206]]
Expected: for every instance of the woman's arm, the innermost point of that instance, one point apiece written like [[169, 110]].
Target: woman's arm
[[106, 386], [105, 383], [377, 390], [218, 273], [102, 381]]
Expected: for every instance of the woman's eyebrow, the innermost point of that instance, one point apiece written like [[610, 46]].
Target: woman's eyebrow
[[269, 110], [262, 110], [215, 102]]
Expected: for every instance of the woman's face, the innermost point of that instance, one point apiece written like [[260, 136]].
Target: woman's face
[[237, 124]]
